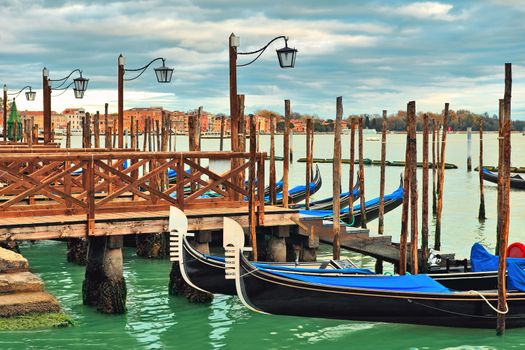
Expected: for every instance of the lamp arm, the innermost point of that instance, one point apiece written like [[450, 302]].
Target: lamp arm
[[20, 91], [64, 80], [143, 69], [259, 51], [64, 88]]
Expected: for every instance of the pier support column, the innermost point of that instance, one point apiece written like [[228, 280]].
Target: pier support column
[[177, 285], [153, 246], [276, 245], [104, 285], [77, 251]]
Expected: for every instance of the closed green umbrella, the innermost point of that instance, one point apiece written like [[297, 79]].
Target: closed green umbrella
[[14, 119]]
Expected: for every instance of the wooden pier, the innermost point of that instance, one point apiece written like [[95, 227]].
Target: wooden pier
[[76, 193]]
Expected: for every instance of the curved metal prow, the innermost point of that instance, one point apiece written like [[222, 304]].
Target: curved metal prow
[[178, 228]]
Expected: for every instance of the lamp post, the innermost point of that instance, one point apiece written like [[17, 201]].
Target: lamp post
[[30, 96], [162, 73], [80, 86], [286, 56]]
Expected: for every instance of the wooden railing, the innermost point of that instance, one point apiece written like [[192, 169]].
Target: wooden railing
[[100, 182]]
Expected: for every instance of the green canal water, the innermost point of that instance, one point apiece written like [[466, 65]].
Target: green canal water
[[156, 320]]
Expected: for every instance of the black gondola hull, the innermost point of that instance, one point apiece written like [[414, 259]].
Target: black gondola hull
[[276, 295], [516, 181]]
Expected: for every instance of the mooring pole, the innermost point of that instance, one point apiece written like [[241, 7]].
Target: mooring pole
[[107, 143], [434, 165], [505, 208], [221, 145], [441, 181], [251, 181], [291, 145], [481, 214], [286, 151], [96, 129], [381, 227], [362, 175], [500, 169], [68, 134], [273, 180], [414, 263], [308, 162], [424, 202], [351, 170], [403, 239], [336, 188], [469, 149]]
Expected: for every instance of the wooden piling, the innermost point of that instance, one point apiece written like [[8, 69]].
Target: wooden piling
[[413, 188], [441, 181], [481, 214], [403, 239], [286, 151], [114, 137], [87, 131], [504, 174], [499, 204], [469, 149], [381, 227], [133, 133], [424, 202], [251, 185], [336, 179], [362, 175], [221, 145], [434, 166], [96, 129], [68, 134], [351, 170], [107, 138], [308, 162], [273, 179]]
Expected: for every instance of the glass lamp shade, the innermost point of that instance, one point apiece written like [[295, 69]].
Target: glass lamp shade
[[286, 57], [78, 93], [163, 74], [30, 95], [81, 84]]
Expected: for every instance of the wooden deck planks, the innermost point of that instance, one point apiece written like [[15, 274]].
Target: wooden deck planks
[[139, 222]]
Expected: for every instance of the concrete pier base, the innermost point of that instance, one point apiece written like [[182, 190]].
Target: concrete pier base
[[77, 251], [104, 286], [153, 246], [177, 285], [276, 249]]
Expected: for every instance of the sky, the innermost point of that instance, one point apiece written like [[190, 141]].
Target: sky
[[375, 54]]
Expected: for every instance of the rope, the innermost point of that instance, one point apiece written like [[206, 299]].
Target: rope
[[489, 304]]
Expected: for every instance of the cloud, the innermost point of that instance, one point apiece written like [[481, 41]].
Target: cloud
[[426, 10]]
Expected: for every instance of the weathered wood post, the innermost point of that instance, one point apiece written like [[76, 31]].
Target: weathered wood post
[[291, 144], [434, 166], [403, 240], [96, 129], [424, 202], [251, 187], [351, 170], [481, 214], [308, 162], [107, 132], [273, 179], [381, 227], [441, 180], [362, 175], [221, 144], [413, 188], [336, 186], [469, 149], [501, 181], [68, 134], [286, 151], [504, 192], [134, 138]]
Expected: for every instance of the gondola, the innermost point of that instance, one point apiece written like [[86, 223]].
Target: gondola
[[392, 201], [413, 299], [206, 272], [328, 203], [516, 181], [298, 193]]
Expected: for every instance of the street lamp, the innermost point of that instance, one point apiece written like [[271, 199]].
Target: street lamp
[[30, 96], [80, 86], [162, 73], [286, 56]]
